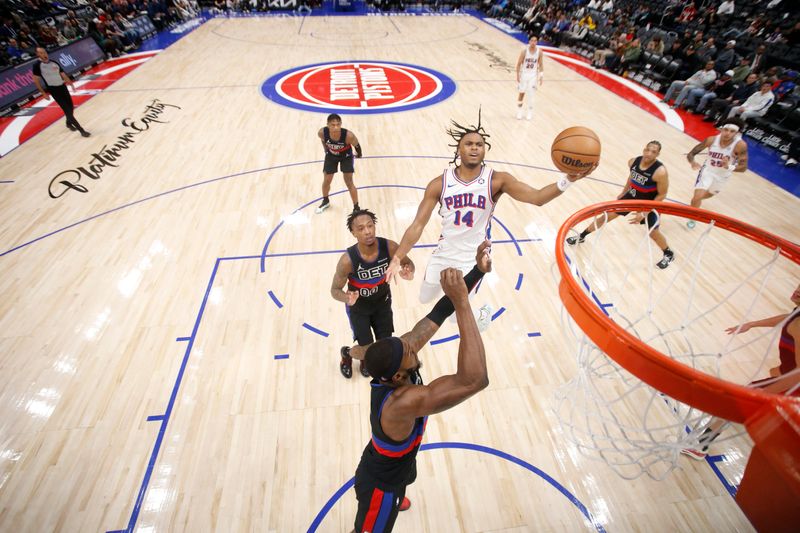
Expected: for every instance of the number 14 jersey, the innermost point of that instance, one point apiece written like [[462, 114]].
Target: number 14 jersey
[[466, 209]]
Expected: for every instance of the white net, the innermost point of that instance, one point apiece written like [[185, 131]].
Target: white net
[[718, 281]]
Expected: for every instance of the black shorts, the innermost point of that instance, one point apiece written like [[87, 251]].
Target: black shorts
[[366, 319], [652, 217], [377, 509], [332, 162]]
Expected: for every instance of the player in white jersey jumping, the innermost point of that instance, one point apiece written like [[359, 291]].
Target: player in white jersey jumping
[[466, 194], [529, 75], [727, 153]]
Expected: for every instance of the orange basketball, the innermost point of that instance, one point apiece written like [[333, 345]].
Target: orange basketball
[[575, 150]]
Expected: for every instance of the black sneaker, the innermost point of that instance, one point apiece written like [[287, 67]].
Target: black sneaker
[[665, 261], [363, 369], [572, 241], [356, 208], [346, 364], [85, 133], [70, 127], [323, 206]]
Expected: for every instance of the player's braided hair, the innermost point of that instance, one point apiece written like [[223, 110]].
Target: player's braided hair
[[357, 213], [457, 132]]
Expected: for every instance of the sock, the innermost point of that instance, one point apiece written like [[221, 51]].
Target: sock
[[668, 252], [355, 207], [444, 307], [325, 200]]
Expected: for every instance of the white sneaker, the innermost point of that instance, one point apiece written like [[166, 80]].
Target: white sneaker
[[791, 162], [519, 113], [322, 207], [691, 224], [530, 115], [483, 317], [784, 157], [697, 455]]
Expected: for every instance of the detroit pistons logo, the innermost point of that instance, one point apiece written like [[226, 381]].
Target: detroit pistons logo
[[358, 87]]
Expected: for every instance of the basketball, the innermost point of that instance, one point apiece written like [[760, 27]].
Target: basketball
[[575, 150]]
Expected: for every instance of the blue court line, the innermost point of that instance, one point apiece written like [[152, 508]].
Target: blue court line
[[446, 339], [153, 418], [475, 448], [535, 334], [275, 299], [712, 461], [498, 313], [137, 505], [519, 282], [182, 339], [309, 327], [282, 356]]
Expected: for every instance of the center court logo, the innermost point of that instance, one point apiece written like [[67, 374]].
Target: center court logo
[[358, 87]]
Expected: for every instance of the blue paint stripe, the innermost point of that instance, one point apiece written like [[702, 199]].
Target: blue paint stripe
[[282, 356], [313, 329], [153, 418], [275, 299], [183, 339], [519, 282], [510, 235], [535, 334], [498, 313], [446, 339]]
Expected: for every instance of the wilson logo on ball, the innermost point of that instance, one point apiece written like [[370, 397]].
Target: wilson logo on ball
[[357, 87], [577, 163]]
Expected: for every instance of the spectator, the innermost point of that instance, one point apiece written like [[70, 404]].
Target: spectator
[[758, 60], [656, 45], [608, 6], [708, 51], [630, 55], [785, 85], [601, 55], [725, 8], [721, 106], [741, 71], [721, 88], [700, 79], [757, 105], [71, 31], [726, 58], [688, 14]]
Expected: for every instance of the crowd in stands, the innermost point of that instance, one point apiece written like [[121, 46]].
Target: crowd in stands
[[28, 24], [718, 58]]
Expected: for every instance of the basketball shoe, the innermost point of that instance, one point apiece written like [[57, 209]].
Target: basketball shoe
[[323, 206], [530, 115], [406, 505], [519, 112], [363, 369], [691, 224], [665, 261], [697, 455], [483, 317], [572, 241], [346, 364]]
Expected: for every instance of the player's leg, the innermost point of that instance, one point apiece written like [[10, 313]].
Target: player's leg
[[348, 168], [598, 223], [360, 324], [520, 98], [329, 168], [431, 285], [529, 94], [382, 323], [653, 222], [373, 503]]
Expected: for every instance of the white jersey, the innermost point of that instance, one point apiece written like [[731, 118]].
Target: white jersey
[[714, 165], [530, 64], [466, 210]]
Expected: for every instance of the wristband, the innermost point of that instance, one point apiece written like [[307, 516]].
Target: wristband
[[563, 183], [732, 166]]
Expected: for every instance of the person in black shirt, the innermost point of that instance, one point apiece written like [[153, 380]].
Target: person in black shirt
[[368, 298], [338, 144], [50, 78], [648, 180], [401, 403]]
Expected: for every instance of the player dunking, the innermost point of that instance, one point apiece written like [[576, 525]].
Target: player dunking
[[648, 180], [400, 403], [783, 379], [727, 153], [338, 144], [368, 299], [466, 195], [529, 75]]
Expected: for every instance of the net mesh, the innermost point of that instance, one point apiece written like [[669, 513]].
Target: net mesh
[[692, 311]]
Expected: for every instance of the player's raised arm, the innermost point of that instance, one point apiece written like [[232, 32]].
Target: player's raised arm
[[521, 191], [432, 194]]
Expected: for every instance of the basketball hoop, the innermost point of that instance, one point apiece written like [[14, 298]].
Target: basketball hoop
[[653, 361]]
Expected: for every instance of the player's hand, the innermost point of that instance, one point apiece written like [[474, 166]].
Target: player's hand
[[637, 218], [393, 269], [732, 330], [358, 156], [352, 296], [453, 285], [407, 272], [483, 258], [696, 165], [576, 177]]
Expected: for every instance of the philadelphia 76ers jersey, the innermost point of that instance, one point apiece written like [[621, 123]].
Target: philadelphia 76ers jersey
[[466, 210]]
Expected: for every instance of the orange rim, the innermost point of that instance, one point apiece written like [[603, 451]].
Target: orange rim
[[705, 392]]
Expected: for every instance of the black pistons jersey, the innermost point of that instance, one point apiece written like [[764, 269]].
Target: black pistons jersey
[[338, 148], [643, 186], [387, 463], [369, 279]]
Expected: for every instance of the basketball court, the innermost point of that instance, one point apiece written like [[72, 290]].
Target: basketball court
[[168, 343]]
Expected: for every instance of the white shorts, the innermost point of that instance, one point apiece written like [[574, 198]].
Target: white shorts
[[431, 283], [528, 82], [710, 182]]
